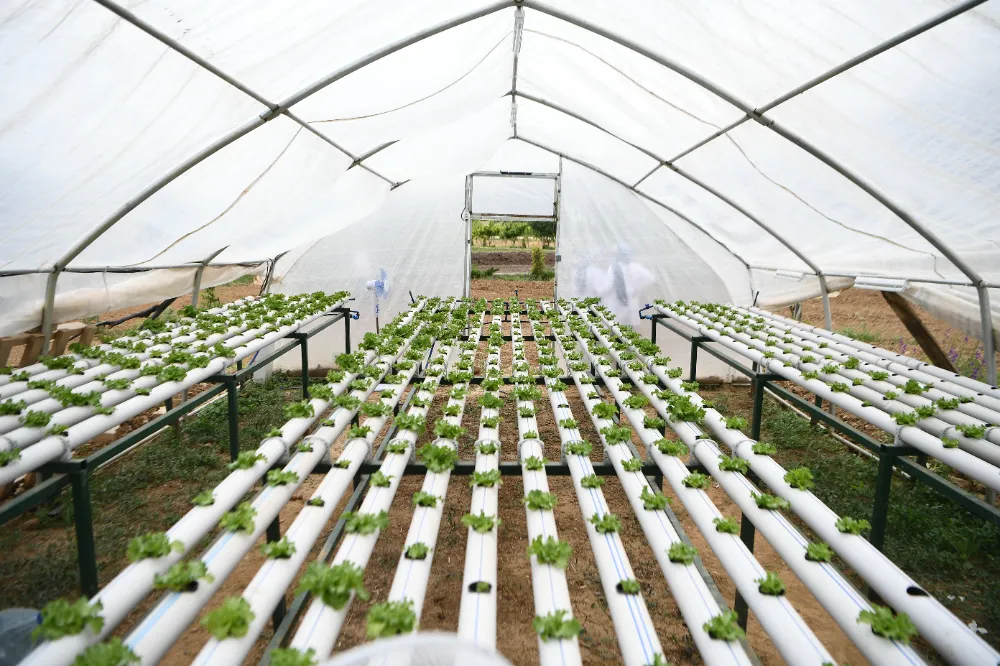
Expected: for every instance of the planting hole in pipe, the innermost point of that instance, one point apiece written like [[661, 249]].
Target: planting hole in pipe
[[480, 587], [915, 591]]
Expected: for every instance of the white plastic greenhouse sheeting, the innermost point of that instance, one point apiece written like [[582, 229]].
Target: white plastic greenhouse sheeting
[[108, 128]]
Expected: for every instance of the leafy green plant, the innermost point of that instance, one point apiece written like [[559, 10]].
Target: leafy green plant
[[905, 418], [556, 626], [281, 549], [726, 525], [33, 419], [606, 524], [770, 502], [152, 545], [239, 519], [527, 393], [697, 480], [604, 410], [632, 464], [481, 523], [246, 460], [736, 422], [447, 430], [615, 435], [359, 432], [817, 551], [653, 501], [947, 442], [733, 464], [724, 627], [277, 477], [671, 447], [551, 551], [636, 401], [365, 523], [533, 463], [183, 576], [885, 624], [231, 619], [539, 500], [204, 498], [569, 424], [972, 431], [380, 480], [629, 586], [579, 448], [530, 434], [12, 407], [412, 422], [591, 481], [913, 387], [486, 479], [681, 553], [111, 653], [490, 401], [849, 525], [417, 551], [438, 458], [799, 478], [62, 618], [878, 375], [770, 585], [334, 585], [293, 657]]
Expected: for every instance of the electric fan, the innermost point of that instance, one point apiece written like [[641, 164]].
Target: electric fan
[[420, 649], [379, 286]]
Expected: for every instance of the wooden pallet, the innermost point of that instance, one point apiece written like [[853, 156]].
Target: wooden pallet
[[32, 342]]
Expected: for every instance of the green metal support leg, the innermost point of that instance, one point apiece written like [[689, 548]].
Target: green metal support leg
[[694, 360], [232, 402], [758, 406], [747, 533], [274, 534], [84, 522], [883, 484]]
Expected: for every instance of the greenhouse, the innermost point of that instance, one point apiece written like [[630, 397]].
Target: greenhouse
[[499, 332]]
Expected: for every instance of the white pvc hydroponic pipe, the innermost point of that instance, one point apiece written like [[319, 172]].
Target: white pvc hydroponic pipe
[[127, 589], [550, 589], [56, 446], [788, 631], [940, 627], [321, 624], [906, 361], [962, 461], [153, 637], [940, 425]]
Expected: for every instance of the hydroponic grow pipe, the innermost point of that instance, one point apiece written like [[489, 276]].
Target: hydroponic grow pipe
[[984, 450], [637, 638], [984, 407], [56, 446], [948, 634], [788, 631], [550, 590], [268, 586], [477, 613], [412, 574], [690, 591], [874, 392], [960, 460], [153, 637], [321, 624], [833, 592], [938, 389], [907, 361], [127, 589]]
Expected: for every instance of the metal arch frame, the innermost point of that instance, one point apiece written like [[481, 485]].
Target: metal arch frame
[[652, 199], [274, 110], [769, 123], [518, 32]]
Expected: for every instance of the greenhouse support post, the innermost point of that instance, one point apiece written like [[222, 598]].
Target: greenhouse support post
[[555, 212]]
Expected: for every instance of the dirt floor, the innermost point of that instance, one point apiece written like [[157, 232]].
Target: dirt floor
[[44, 538]]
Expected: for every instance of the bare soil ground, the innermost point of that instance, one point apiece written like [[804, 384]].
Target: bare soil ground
[[510, 261], [44, 542]]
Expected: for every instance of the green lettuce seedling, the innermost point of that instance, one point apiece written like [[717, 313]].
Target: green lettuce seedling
[[726, 525], [724, 627], [551, 551], [682, 553], [539, 500], [152, 545], [232, 619], [61, 618], [556, 626], [885, 624], [334, 585]]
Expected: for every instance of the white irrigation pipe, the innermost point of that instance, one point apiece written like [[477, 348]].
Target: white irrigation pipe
[[962, 461], [692, 594], [978, 408], [56, 446], [161, 627], [884, 357], [788, 631], [948, 634], [873, 391], [321, 624], [965, 414], [550, 589], [633, 625], [477, 613]]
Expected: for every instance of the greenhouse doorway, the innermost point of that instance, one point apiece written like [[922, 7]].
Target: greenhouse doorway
[[512, 226]]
